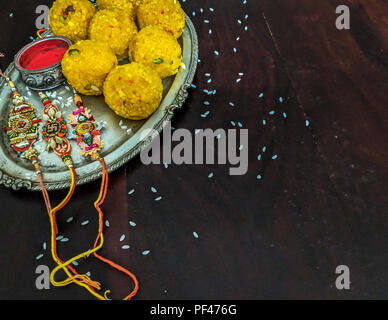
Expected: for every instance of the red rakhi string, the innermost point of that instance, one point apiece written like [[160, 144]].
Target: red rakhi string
[[94, 154], [97, 204]]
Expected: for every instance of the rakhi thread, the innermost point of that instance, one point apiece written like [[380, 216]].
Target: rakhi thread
[[86, 130], [22, 131], [54, 133], [25, 113], [87, 133]]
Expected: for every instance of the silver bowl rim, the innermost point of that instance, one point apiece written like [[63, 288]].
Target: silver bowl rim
[[30, 45]]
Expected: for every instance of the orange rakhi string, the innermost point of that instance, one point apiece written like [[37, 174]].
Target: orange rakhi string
[[46, 197], [80, 279], [91, 144], [97, 204], [40, 31]]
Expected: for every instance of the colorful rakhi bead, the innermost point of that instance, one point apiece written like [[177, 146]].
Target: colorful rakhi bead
[[86, 130], [23, 123], [55, 130]]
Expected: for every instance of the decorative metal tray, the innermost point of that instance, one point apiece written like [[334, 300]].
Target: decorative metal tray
[[124, 139]]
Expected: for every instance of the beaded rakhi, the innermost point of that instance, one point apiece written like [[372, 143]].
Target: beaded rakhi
[[55, 131], [55, 134], [22, 124], [87, 132], [23, 132]]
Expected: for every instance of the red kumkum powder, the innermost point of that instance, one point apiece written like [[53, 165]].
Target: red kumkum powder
[[44, 54]]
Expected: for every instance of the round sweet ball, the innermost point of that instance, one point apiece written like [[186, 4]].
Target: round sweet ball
[[127, 6], [71, 18], [133, 91], [86, 65], [166, 13], [114, 27], [157, 49]]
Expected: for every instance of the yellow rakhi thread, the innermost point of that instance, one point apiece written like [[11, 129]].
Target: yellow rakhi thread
[[54, 133], [23, 120]]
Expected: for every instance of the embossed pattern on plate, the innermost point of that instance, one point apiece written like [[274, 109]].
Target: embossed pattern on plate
[[123, 138]]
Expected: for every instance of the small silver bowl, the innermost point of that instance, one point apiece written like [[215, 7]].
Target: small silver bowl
[[46, 78]]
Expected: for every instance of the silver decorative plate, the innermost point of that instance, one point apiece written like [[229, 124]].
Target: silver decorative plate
[[123, 139]]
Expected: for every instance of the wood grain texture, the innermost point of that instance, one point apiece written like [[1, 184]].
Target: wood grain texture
[[321, 203]]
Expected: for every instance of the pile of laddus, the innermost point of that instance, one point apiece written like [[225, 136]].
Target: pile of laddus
[[144, 31]]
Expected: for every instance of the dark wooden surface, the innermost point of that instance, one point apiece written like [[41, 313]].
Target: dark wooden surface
[[320, 204]]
